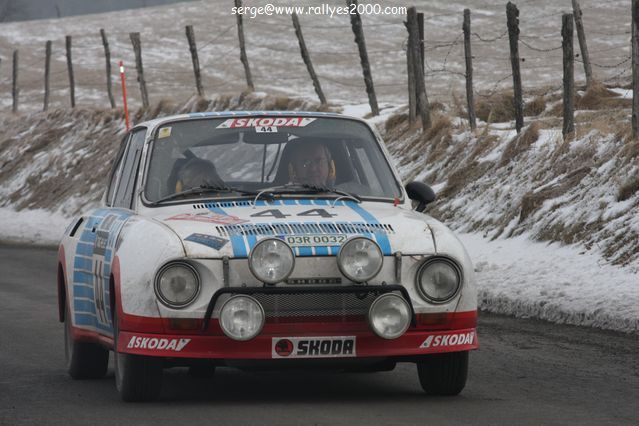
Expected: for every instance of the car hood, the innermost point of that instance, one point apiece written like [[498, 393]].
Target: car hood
[[233, 228]]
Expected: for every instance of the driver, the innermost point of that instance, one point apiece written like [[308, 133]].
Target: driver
[[195, 173], [311, 164]]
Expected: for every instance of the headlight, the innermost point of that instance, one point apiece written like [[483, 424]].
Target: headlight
[[389, 316], [271, 260], [241, 317], [439, 280], [360, 259], [177, 284]]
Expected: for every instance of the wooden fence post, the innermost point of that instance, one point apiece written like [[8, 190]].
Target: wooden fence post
[[15, 90], [70, 69], [412, 93], [137, 48], [307, 59], [569, 73], [581, 36], [512, 15], [422, 46], [243, 57], [469, 71], [635, 68], [107, 57], [47, 73], [190, 35], [358, 31], [422, 99]]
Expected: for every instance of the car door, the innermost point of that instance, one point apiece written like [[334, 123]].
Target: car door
[[94, 254]]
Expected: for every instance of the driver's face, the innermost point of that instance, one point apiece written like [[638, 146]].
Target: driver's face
[[311, 165]]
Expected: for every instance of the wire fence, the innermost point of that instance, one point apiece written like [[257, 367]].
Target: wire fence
[[274, 57]]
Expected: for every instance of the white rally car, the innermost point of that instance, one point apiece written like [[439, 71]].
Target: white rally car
[[264, 239]]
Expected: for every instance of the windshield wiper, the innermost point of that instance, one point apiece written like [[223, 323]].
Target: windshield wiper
[[203, 189], [303, 188]]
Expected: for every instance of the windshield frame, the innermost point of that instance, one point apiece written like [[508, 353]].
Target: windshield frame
[[152, 140]]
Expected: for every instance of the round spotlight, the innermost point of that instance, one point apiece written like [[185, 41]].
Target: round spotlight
[[242, 317], [177, 284], [360, 259], [389, 316], [271, 260], [439, 280]]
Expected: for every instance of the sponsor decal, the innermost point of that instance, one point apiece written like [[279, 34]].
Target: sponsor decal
[[208, 240], [284, 347], [164, 132], [313, 347], [448, 340], [155, 343], [313, 240], [209, 217], [101, 239], [266, 122]]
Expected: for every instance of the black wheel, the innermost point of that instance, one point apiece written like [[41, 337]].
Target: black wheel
[[443, 374], [137, 377], [84, 360]]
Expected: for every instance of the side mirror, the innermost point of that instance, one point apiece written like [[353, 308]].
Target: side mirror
[[420, 192]]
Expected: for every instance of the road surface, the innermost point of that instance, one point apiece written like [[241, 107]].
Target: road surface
[[526, 372]]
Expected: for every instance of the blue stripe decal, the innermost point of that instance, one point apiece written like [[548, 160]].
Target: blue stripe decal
[[83, 278], [85, 249], [381, 237], [83, 263], [305, 202], [252, 240], [237, 241], [81, 291], [83, 305], [89, 320], [321, 251], [306, 251]]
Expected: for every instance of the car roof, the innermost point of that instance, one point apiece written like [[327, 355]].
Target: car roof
[[228, 114]]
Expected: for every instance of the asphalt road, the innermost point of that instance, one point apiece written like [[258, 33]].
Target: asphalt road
[[526, 372]]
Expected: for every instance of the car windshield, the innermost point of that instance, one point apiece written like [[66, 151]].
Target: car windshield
[[234, 157]]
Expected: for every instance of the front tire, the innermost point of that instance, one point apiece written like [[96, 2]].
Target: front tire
[[84, 360], [443, 374], [137, 377]]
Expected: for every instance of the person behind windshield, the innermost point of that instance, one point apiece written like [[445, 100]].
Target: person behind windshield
[[311, 164], [195, 173]]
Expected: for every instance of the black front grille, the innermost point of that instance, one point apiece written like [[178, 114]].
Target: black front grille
[[311, 302], [315, 304]]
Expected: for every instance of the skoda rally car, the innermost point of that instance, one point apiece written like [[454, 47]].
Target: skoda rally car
[[262, 239]]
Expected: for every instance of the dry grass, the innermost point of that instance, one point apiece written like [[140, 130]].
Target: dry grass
[[485, 143], [628, 189], [598, 97], [463, 176], [532, 201], [520, 143], [535, 107], [498, 108]]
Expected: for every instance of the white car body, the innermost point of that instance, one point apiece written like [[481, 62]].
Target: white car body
[[109, 259]]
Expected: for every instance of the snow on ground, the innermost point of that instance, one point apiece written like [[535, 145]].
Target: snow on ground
[[557, 283], [40, 227]]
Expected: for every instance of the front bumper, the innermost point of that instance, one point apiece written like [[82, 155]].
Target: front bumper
[[301, 322], [307, 340]]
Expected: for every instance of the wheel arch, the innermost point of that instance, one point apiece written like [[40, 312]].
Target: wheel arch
[[61, 284]]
